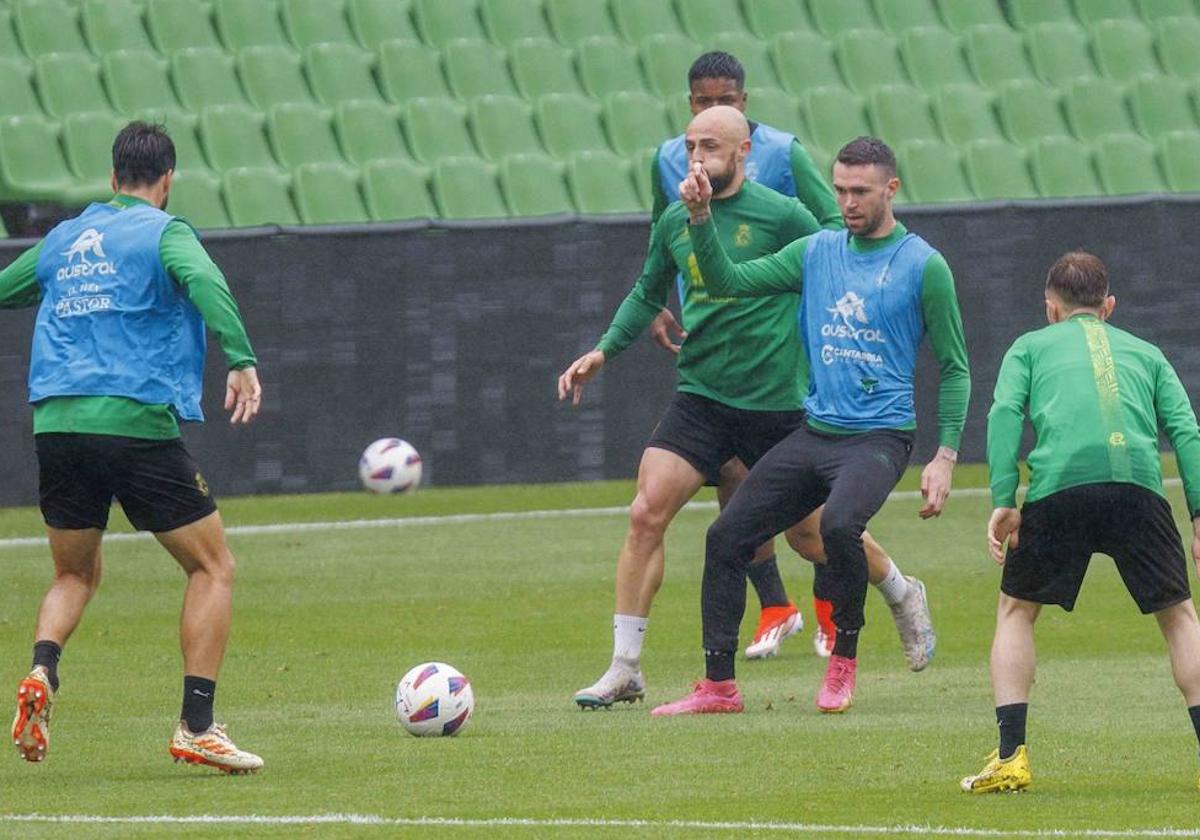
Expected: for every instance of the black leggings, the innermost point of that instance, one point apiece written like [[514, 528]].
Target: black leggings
[[851, 475]]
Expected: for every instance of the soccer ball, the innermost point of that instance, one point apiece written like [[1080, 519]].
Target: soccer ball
[[434, 699], [390, 465]]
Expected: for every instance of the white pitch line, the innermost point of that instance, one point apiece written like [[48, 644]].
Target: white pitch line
[[452, 519], [523, 822]]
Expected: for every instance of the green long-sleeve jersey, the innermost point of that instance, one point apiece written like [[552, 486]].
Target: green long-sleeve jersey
[[189, 265], [1097, 397], [743, 353]]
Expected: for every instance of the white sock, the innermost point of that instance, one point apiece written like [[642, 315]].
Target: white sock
[[628, 632], [893, 587]]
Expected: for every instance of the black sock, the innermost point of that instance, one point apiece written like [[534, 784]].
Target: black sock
[[764, 574], [718, 665], [198, 696], [47, 653], [1194, 712], [1011, 720], [846, 643]]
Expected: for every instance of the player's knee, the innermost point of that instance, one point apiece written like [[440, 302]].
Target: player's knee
[[219, 564], [83, 576], [839, 533], [647, 519], [724, 545]]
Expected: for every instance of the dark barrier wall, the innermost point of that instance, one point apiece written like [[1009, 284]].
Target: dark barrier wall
[[453, 338]]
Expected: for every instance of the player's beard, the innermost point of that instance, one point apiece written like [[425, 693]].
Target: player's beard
[[720, 182]]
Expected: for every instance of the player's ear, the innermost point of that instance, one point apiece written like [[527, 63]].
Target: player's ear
[[1106, 309], [113, 182], [1052, 314], [893, 187]]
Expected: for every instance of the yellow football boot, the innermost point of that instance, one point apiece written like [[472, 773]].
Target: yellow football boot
[[996, 776]]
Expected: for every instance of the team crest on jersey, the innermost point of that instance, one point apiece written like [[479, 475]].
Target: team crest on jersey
[[201, 484], [741, 236]]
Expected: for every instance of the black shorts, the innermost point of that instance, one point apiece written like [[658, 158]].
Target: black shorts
[[156, 481], [1060, 533], [706, 433]]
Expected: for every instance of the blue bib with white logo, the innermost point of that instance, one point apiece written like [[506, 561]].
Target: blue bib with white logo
[[862, 323], [112, 322]]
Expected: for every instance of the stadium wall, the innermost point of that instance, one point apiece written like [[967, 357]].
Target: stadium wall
[[452, 336]]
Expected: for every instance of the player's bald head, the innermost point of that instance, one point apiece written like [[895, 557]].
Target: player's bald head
[[723, 121]]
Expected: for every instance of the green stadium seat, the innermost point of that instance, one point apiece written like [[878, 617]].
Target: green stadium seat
[[1060, 53], [205, 76], [833, 17], [1178, 41], [510, 20], [667, 60], [249, 23], [704, 20], [539, 66], [328, 194], [997, 169], [834, 116], [232, 136], [1029, 110], [309, 22], [437, 128], [10, 47], [1127, 165], [769, 18], [503, 125], [637, 20], [137, 79], [475, 67], [635, 121], [441, 21], [752, 52], [302, 133], [33, 169], [397, 190], [1161, 104], [466, 188], [87, 143], [1179, 152], [568, 124], [900, 113], [69, 82], [369, 131], [48, 26], [900, 15], [1152, 10], [1094, 11], [1027, 13], [996, 54], [600, 183], [16, 94], [175, 24], [961, 15], [258, 196], [931, 172], [1062, 168], [868, 58], [1094, 108], [408, 69], [965, 113], [272, 76], [338, 72], [933, 57], [114, 25], [775, 107], [534, 185], [574, 20], [376, 21], [804, 60], [196, 196], [679, 112], [607, 65], [1124, 50], [181, 125]]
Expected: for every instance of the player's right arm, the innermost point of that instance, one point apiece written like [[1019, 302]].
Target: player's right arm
[[18, 282], [1178, 421]]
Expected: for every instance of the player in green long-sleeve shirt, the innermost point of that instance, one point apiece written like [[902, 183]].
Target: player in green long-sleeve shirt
[[1097, 398], [123, 293]]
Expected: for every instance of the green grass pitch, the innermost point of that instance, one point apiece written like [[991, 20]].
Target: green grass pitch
[[327, 620]]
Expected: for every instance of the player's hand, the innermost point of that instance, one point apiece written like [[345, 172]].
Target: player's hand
[[662, 328], [935, 482], [696, 192], [243, 394], [1004, 525], [580, 371]]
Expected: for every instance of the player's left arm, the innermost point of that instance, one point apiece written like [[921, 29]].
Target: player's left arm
[[1005, 422], [1178, 421], [812, 188], [18, 281], [943, 324]]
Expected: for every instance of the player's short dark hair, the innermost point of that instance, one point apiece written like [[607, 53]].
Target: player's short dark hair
[[717, 65], [1078, 278], [142, 153], [868, 151]]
